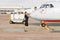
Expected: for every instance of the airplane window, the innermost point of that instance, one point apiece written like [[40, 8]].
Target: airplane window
[[45, 6], [51, 6], [42, 6]]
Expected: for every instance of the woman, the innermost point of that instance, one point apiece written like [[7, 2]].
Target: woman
[[26, 19]]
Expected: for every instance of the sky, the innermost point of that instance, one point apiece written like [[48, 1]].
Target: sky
[[8, 3], [21, 3]]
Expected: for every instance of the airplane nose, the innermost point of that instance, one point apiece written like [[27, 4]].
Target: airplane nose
[[36, 14], [32, 15]]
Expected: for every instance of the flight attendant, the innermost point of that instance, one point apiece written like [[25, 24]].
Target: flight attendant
[[26, 19], [26, 22]]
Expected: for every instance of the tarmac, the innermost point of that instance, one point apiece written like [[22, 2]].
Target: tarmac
[[35, 32]]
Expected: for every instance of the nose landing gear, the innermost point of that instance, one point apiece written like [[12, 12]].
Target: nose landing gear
[[43, 24]]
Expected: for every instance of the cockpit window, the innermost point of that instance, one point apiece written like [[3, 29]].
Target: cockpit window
[[47, 6], [51, 6]]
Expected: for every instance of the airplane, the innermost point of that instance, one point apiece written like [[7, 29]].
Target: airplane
[[47, 12]]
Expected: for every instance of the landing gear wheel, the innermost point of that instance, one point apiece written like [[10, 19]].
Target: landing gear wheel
[[43, 25]]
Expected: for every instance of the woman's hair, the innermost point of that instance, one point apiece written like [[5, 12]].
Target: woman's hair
[[25, 11]]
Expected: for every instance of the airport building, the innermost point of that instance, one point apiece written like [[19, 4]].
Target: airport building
[[7, 10]]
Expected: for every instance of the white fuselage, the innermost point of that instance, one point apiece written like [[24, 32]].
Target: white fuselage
[[47, 13]]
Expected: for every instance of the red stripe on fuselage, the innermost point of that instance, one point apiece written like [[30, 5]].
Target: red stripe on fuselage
[[51, 20]]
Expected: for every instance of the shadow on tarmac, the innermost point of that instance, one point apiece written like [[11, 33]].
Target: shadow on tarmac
[[49, 24]]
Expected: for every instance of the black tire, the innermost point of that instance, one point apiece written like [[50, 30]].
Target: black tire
[[23, 21], [11, 22], [43, 24]]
